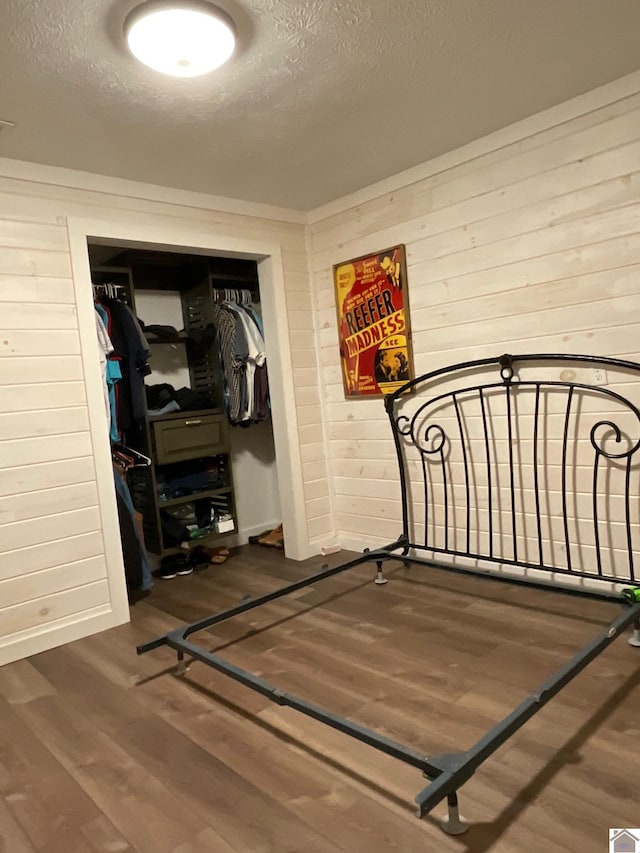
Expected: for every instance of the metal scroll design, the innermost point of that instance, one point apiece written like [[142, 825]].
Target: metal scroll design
[[597, 441], [501, 481], [599, 436], [431, 442]]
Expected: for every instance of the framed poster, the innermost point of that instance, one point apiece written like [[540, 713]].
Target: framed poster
[[373, 323]]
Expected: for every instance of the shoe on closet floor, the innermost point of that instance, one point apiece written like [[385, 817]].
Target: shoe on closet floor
[[215, 556], [199, 558], [255, 540], [273, 539], [174, 564]]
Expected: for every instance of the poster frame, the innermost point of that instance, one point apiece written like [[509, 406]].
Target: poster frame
[[351, 386]]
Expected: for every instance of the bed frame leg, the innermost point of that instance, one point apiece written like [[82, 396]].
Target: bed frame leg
[[453, 823], [182, 667], [380, 578], [634, 639]]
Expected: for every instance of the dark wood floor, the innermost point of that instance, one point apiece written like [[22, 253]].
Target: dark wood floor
[[103, 751]]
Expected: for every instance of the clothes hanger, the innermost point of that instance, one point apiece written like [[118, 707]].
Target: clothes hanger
[[133, 458]]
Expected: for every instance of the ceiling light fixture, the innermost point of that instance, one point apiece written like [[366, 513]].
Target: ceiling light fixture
[[183, 39]]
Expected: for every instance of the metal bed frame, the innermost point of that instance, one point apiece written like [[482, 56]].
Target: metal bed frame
[[480, 484]]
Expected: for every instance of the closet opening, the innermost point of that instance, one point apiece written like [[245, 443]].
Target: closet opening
[[187, 400]]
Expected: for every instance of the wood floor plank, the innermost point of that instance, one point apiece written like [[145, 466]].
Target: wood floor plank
[[102, 750], [42, 797], [21, 682], [207, 841], [64, 839], [294, 776], [151, 818], [13, 839], [204, 784], [105, 837]]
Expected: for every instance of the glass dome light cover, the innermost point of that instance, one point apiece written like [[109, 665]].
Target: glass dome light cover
[[182, 39]]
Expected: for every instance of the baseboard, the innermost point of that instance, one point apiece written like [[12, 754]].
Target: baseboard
[[358, 544], [66, 630]]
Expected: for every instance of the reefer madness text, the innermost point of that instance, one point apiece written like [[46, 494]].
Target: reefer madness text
[[373, 323]]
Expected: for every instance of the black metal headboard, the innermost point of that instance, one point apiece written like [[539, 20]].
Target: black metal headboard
[[527, 461]]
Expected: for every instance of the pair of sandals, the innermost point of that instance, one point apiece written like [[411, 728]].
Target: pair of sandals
[[217, 556], [201, 557]]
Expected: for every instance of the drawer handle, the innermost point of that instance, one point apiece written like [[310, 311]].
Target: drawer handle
[[193, 422]]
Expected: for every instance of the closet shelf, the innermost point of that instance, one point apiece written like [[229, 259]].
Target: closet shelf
[[195, 496], [208, 540], [181, 339], [110, 268], [235, 278], [185, 413]]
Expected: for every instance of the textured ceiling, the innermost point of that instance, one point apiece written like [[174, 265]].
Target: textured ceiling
[[322, 97]]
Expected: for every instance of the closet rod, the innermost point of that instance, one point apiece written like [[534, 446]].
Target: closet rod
[[242, 295], [109, 289]]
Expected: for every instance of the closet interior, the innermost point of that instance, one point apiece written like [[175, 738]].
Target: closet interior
[[188, 405]]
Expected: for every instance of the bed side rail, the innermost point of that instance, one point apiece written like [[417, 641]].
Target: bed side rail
[[379, 554], [460, 767]]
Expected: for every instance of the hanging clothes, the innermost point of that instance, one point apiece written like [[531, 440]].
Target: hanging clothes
[[135, 555], [132, 351], [110, 368], [250, 345], [243, 360], [136, 563], [231, 363], [261, 404]]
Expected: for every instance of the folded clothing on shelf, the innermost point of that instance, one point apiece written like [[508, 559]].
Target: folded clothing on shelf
[[186, 478], [158, 333], [164, 398]]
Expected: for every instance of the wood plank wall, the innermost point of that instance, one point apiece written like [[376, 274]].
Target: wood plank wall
[[52, 563], [533, 247]]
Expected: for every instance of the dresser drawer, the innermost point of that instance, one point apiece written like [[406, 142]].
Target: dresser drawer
[[189, 437]]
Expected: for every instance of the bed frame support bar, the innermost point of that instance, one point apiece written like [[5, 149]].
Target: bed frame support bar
[[377, 555], [431, 768], [464, 765], [483, 574], [447, 772]]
